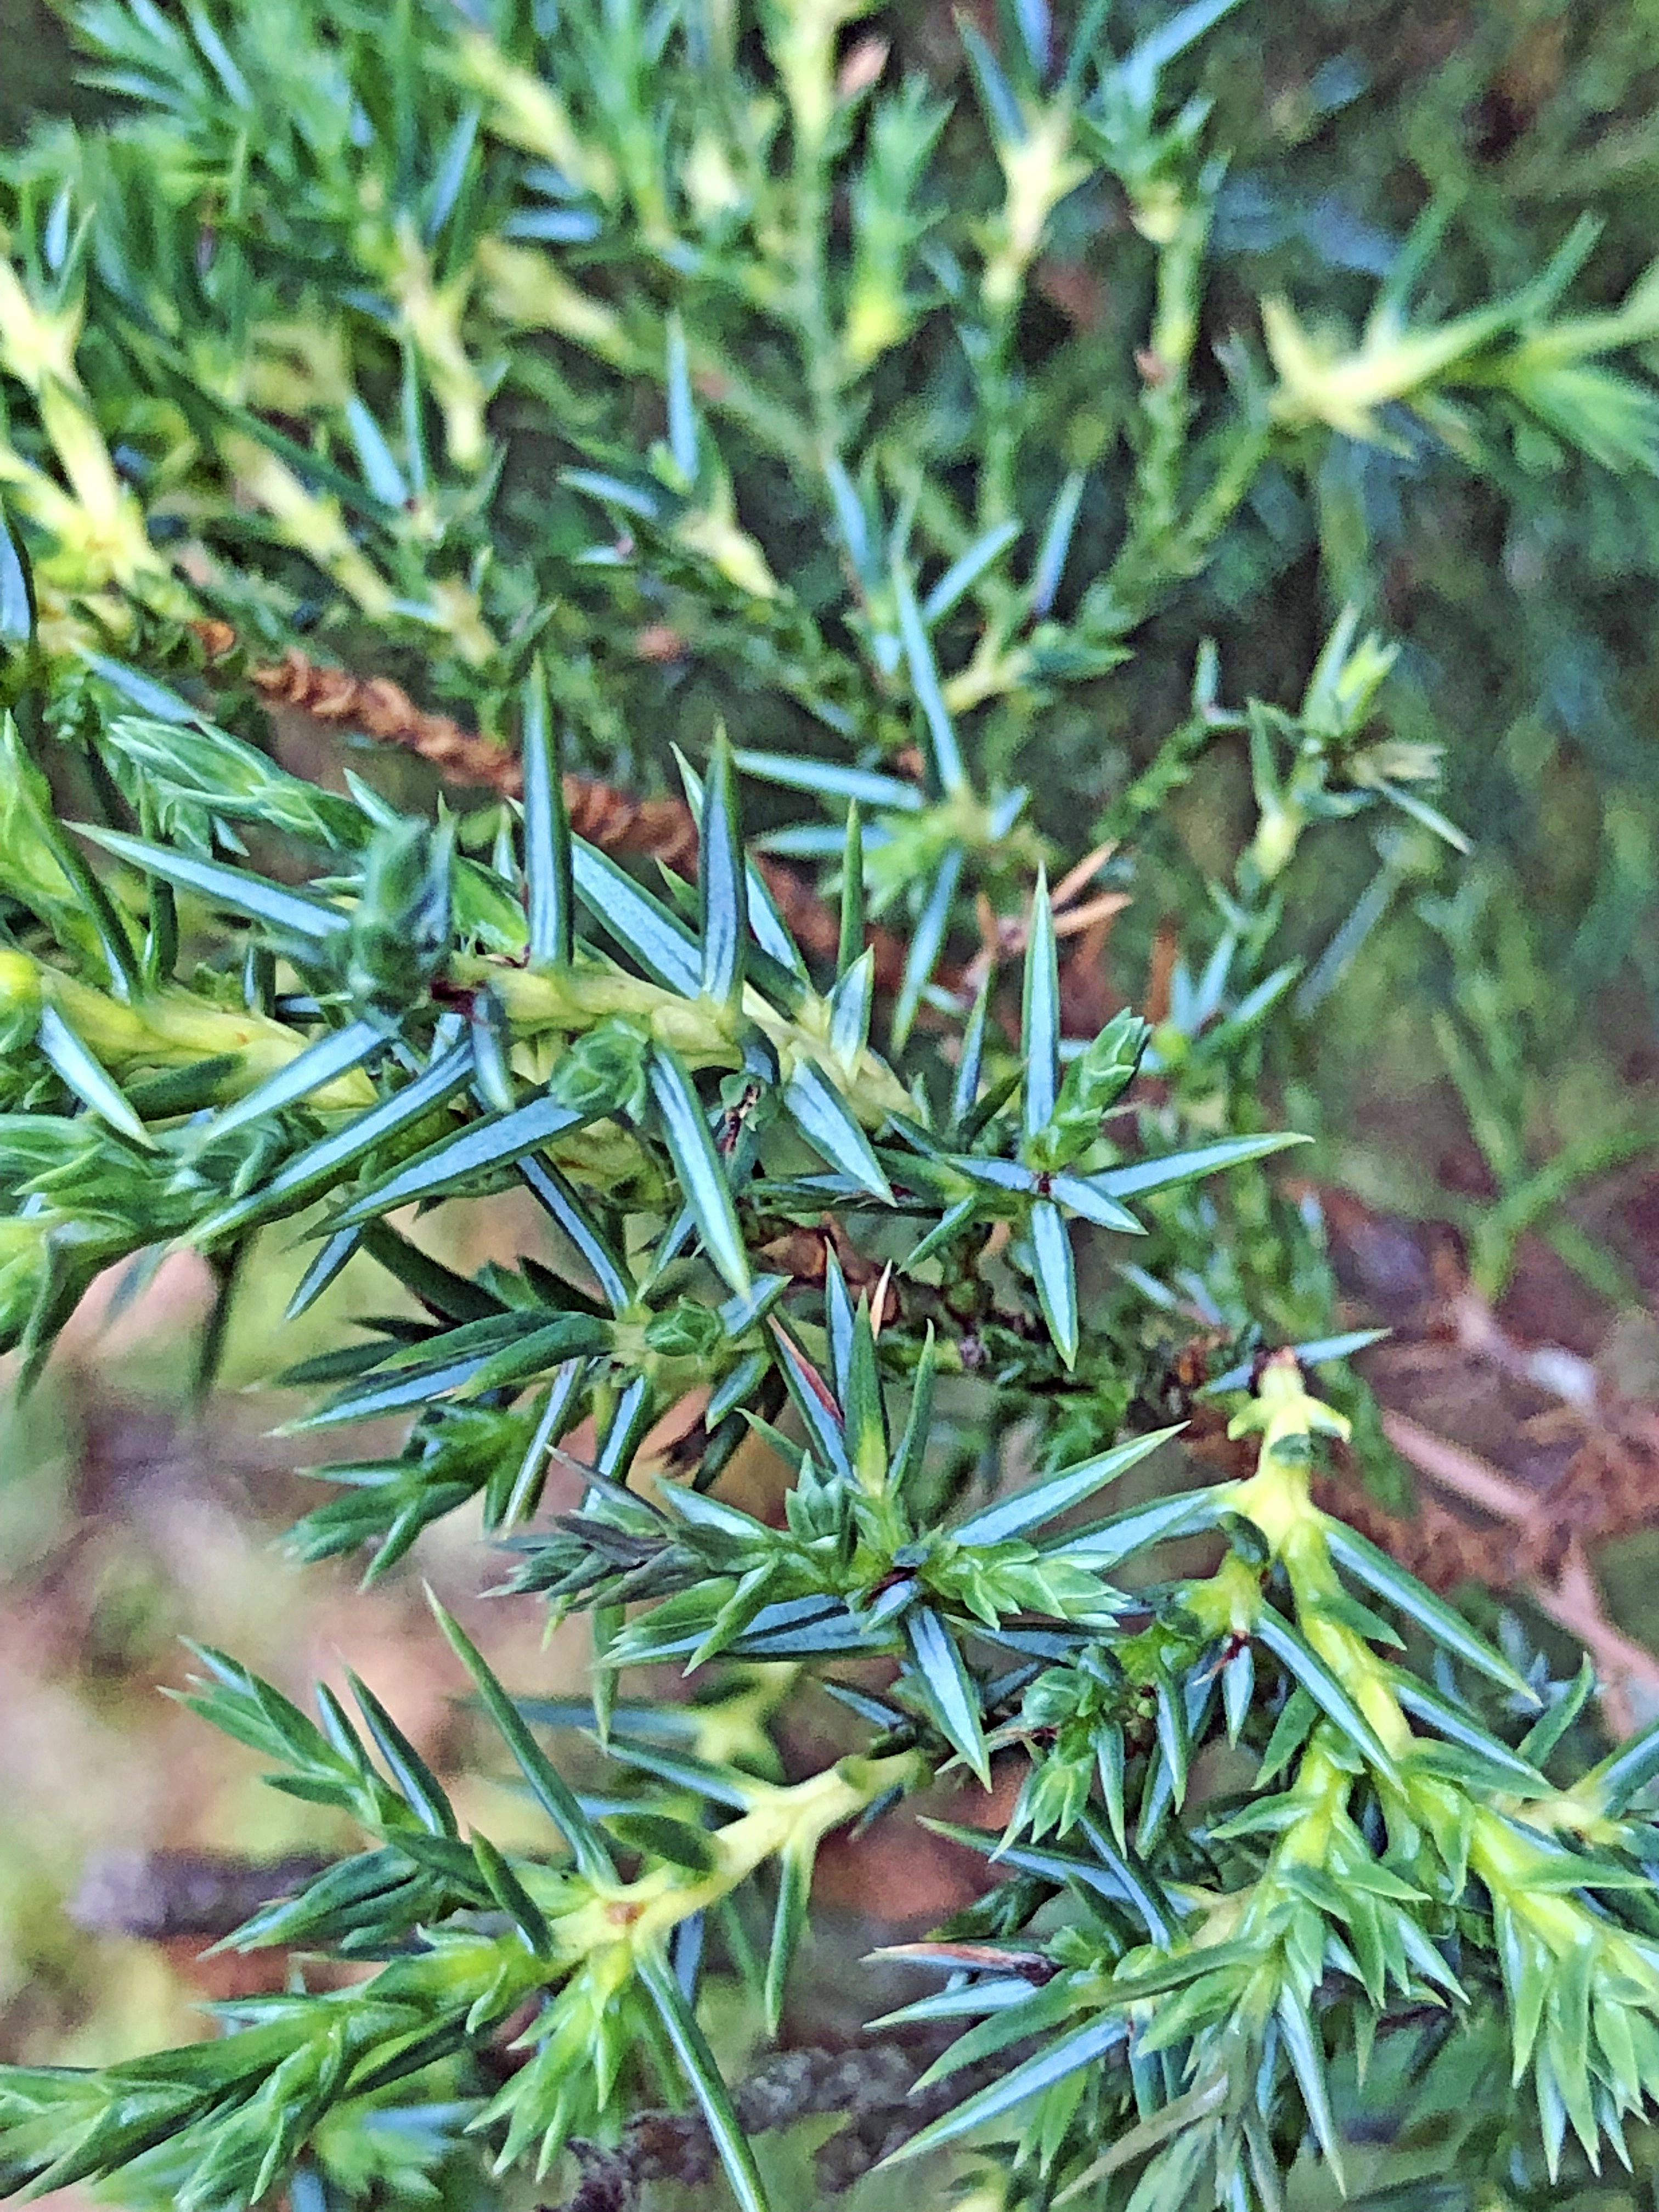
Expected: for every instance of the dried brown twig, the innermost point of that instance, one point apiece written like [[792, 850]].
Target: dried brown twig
[[175, 1895], [1004, 937], [871, 2084]]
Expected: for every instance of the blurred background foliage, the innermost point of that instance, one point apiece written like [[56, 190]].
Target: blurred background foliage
[[1490, 1065]]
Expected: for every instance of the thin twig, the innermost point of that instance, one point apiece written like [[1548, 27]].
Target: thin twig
[[871, 2084], [1629, 1673], [1461, 1472]]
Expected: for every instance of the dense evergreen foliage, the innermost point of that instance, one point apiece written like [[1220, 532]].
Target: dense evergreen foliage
[[841, 437]]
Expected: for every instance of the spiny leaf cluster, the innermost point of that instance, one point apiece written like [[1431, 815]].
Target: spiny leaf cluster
[[339, 335]]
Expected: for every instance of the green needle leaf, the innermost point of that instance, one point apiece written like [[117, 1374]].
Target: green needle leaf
[[418, 1387], [324, 1062], [1547, 1730], [764, 921], [1029, 1508], [514, 1899], [943, 1232], [815, 1401], [324, 1267], [558, 1198], [722, 880], [156, 700], [970, 1063], [1237, 1688], [414, 1777], [702, 1178], [913, 1444], [1462, 1729], [703, 2078], [850, 947], [325, 1162], [789, 1919], [549, 880], [675, 1841], [293, 913], [1155, 1522], [1111, 1761], [1174, 1739], [827, 779], [1002, 108], [1386, 1578], [768, 928], [546, 1785], [1297, 1720], [926, 942], [963, 573], [1082, 2047], [380, 470], [1310, 1674], [1150, 1900], [945, 753], [1307, 2057], [1186, 1167], [1312, 1354], [1082, 1195], [867, 1414], [1039, 1042], [682, 409], [643, 925], [514, 1491], [850, 1003], [567, 1336], [1055, 1276], [1613, 1784], [950, 1691], [497, 1142], [1056, 543], [92, 1084], [16, 595], [827, 1121]]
